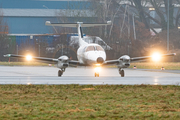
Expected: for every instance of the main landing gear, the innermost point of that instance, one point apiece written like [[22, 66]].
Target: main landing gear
[[121, 72], [96, 74], [60, 72]]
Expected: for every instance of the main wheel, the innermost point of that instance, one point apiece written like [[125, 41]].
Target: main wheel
[[97, 74], [122, 73], [60, 72]]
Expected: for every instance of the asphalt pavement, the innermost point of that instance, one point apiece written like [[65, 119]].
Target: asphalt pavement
[[85, 75]]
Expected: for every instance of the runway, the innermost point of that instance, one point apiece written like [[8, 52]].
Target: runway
[[83, 75]]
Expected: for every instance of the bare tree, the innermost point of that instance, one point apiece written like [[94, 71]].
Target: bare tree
[[161, 8], [3, 37]]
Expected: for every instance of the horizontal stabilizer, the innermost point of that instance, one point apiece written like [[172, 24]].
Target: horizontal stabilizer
[[48, 23]]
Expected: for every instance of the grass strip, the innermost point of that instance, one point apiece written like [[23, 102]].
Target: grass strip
[[89, 102], [158, 65]]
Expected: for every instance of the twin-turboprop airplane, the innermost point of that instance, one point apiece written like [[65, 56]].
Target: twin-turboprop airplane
[[88, 54]]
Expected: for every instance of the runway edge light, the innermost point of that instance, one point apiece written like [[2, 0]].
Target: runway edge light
[[162, 68]]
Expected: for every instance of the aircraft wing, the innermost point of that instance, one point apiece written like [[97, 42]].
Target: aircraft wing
[[46, 60], [117, 61], [41, 59], [76, 63], [149, 57], [111, 62]]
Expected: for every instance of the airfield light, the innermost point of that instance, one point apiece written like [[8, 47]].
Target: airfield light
[[156, 57], [28, 57], [29, 83], [97, 64]]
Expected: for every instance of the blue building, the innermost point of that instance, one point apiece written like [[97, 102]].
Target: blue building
[[26, 24], [29, 16]]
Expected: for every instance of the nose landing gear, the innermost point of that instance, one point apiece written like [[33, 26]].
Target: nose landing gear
[[97, 70], [121, 72], [96, 74]]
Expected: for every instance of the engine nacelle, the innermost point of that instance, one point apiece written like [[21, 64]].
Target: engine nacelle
[[63, 62], [124, 61]]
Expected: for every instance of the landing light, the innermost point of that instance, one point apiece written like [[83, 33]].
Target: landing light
[[97, 64], [97, 69], [156, 57], [28, 57]]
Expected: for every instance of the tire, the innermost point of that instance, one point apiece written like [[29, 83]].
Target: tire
[[96, 74], [60, 73], [122, 73]]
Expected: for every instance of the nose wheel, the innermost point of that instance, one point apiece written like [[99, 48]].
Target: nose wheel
[[121, 72], [96, 74]]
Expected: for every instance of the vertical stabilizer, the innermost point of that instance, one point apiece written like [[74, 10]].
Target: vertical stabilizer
[[80, 34]]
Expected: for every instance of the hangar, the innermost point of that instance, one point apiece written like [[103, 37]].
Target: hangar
[[29, 16], [26, 23]]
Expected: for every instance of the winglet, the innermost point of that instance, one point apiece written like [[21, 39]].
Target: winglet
[[171, 54], [8, 55]]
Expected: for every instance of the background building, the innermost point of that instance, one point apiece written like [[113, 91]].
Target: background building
[[25, 20], [29, 16]]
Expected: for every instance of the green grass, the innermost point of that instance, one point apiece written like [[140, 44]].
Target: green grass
[[88, 102], [158, 65]]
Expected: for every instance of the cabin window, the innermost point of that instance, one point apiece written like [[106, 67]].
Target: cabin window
[[99, 48], [90, 48]]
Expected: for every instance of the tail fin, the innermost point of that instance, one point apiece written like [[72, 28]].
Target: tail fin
[[79, 26]]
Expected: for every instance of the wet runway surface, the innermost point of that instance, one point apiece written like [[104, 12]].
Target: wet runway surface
[[48, 75]]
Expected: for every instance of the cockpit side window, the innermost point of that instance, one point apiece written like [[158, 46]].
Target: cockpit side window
[[99, 48], [90, 48]]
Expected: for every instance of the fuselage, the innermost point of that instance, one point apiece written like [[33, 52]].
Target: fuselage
[[91, 54]]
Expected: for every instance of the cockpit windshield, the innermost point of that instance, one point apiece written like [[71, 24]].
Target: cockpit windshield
[[90, 48], [99, 48], [94, 48]]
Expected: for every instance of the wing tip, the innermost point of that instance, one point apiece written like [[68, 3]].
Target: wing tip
[[7, 55]]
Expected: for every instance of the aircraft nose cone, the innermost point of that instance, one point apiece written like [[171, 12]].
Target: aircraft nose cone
[[100, 60]]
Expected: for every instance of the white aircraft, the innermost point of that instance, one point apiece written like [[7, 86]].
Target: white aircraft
[[88, 54]]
